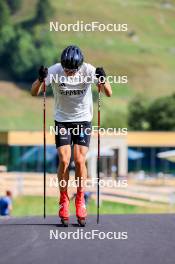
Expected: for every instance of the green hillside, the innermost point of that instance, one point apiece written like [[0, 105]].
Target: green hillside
[[146, 53]]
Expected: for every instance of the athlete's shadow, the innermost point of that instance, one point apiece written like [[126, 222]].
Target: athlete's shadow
[[70, 225], [75, 225], [30, 224]]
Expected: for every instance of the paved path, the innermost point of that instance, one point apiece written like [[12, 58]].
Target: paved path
[[151, 239]]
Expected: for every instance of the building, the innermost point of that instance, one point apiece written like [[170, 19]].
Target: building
[[22, 151]]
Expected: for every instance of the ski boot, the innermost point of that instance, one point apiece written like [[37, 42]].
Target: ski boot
[[64, 208], [80, 209]]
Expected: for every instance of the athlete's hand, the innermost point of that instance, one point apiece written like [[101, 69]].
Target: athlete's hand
[[100, 74], [42, 73]]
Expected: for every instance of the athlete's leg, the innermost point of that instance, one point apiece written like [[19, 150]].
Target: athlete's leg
[[81, 144], [64, 153], [81, 175], [80, 165]]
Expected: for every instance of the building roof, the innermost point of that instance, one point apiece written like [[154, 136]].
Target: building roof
[[133, 139]]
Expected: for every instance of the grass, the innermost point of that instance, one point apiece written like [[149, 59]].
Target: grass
[[33, 205], [25, 112]]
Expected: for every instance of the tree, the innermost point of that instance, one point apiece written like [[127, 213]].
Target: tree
[[22, 60], [6, 28], [44, 11], [137, 114], [23, 51], [4, 14], [161, 114], [14, 5], [29, 55], [6, 34]]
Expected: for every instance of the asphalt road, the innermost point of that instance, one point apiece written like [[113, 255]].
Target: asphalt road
[[151, 239]]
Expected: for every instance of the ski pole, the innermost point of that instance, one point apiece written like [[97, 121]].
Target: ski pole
[[44, 135], [98, 158]]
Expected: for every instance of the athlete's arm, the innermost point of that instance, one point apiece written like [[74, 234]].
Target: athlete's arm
[[36, 88], [102, 83], [38, 84], [106, 88]]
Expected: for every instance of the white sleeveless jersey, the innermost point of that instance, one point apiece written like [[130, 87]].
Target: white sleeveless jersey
[[73, 97]]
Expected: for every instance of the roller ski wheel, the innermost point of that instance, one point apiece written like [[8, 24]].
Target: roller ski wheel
[[65, 222], [81, 222]]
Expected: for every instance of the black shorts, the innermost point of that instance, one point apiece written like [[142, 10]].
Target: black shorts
[[68, 133]]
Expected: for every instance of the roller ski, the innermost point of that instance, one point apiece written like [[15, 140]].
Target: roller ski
[[81, 213], [65, 222], [64, 209], [81, 222]]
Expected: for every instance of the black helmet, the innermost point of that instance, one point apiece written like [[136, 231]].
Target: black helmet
[[72, 58]]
